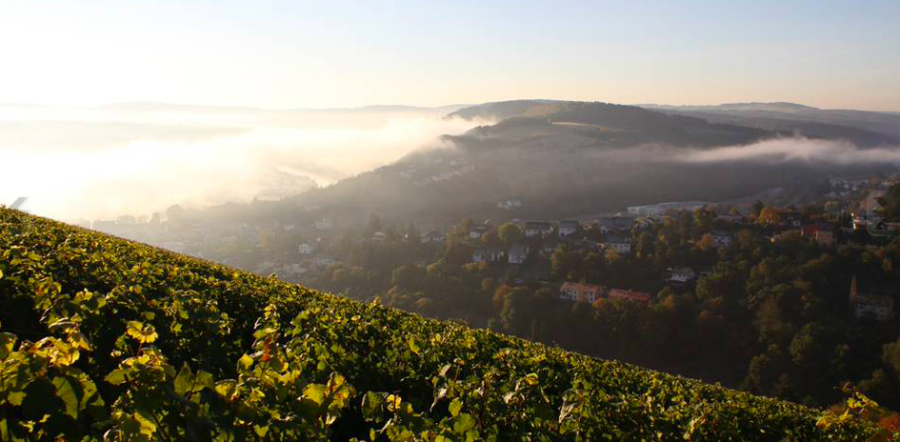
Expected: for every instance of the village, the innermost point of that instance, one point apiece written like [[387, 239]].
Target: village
[[524, 249]]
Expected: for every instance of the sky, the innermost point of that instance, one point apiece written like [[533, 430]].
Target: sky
[[297, 54]]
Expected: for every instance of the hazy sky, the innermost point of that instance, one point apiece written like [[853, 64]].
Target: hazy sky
[[290, 54]]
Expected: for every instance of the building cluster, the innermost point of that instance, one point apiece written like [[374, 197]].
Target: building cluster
[[591, 293], [663, 208], [542, 238]]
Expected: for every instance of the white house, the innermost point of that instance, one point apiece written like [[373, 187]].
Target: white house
[[567, 227], [538, 228], [571, 291], [518, 253], [323, 261], [548, 248], [432, 236], [307, 248], [721, 238], [476, 231], [509, 204], [486, 255], [682, 275], [324, 224], [619, 243], [616, 223]]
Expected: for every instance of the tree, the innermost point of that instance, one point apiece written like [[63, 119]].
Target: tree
[[807, 348], [561, 263], [510, 234], [491, 238], [374, 224], [707, 242], [770, 216], [757, 208], [513, 314], [612, 257], [891, 356]]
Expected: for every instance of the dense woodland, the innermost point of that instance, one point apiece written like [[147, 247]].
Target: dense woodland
[[771, 317]]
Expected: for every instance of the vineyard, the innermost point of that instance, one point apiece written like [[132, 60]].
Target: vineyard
[[104, 339]]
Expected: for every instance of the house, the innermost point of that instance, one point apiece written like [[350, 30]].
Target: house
[[324, 224], [825, 234], [567, 227], [682, 275], [728, 218], [620, 243], [822, 232], [646, 223], [623, 223], [784, 236], [486, 255], [538, 228], [883, 227], [323, 261], [518, 253], [586, 244], [606, 224], [721, 238], [659, 209], [477, 230], [432, 236], [792, 219], [572, 291], [630, 295], [878, 305], [892, 228], [307, 248], [548, 247], [860, 221], [509, 204]]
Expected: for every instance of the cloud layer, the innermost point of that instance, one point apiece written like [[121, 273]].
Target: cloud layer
[[103, 164]]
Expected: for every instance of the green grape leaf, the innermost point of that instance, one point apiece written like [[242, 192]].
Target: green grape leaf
[[245, 362], [7, 343], [463, 423], [66, 392], [116, 377], [184, 380], [455, 406], [315, 393], [145, 334], [16, 398]]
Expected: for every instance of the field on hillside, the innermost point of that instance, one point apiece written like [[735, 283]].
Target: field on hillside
[[101, 338]]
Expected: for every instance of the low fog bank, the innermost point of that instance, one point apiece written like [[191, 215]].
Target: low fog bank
[[772, 152], [789, 149], [101, 163]]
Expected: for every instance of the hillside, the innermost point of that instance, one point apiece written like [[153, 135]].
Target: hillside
[[576, 159], [107, 338], [617, 125], [863, 128]]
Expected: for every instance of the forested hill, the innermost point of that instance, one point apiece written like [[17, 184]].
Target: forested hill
[[108, 339], [576, 159], [616, 125]]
